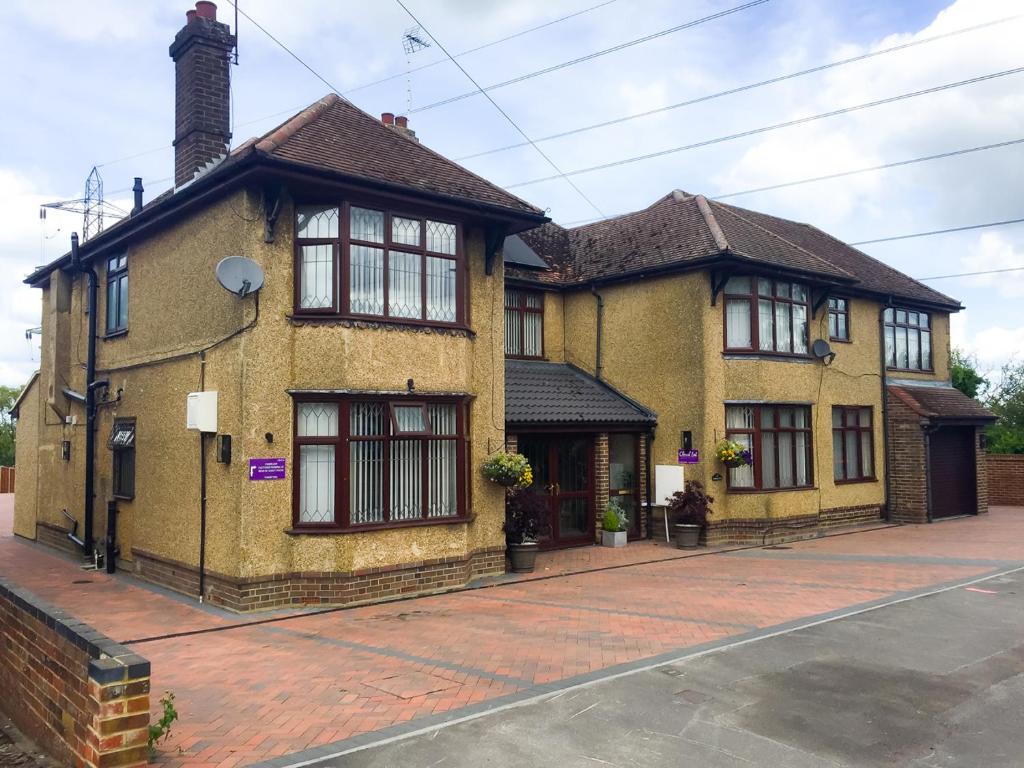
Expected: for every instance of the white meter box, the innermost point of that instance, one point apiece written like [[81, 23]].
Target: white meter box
[[202, 411]]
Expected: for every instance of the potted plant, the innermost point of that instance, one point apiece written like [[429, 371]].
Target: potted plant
[[526, 520], [511, 470], [733, 454], [689, 510], [613, 525]]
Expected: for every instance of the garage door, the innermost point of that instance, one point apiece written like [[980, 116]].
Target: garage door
[[954, 489]]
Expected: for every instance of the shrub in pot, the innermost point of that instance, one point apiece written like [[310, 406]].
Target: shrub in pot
[[526, 520], [688, 510], [613, 525]]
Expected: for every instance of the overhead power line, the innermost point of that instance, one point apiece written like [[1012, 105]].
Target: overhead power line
[[742, 88], [973, 274], [594, 55], [504, 114], [939, 231], [773, 127]]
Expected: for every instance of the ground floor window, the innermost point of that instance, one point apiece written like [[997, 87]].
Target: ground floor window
[[779, 438], [122, 446], [377, 462], [852, 448]]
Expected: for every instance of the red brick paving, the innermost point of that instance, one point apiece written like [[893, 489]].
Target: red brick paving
[[253, 692]]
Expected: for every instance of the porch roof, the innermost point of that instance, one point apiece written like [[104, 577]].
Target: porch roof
[[539, 393], [942, 404]]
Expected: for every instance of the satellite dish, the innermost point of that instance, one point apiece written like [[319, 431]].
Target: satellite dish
[[240, 275], [821, 349]]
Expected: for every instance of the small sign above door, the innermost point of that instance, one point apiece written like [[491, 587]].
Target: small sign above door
[[689, 457]]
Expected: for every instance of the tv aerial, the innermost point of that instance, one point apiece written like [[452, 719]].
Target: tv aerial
[[240, 275]]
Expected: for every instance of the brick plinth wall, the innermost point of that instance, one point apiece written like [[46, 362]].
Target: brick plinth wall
[[756, 530], [1005, 479], [56, 537], [79, 695], [908, 458], [322, 588]]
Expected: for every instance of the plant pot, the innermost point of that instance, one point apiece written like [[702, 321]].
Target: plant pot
[[523, 557], [613, 538], [687, 535], [735, 464]]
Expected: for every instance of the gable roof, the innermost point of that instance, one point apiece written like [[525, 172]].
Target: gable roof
[[684, 230], [538, 392], [24, 393], [331, 137]]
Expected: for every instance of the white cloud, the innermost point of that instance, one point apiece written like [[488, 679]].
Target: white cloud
[[995, 251]]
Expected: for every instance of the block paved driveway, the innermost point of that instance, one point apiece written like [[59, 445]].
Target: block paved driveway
[[250, 690]]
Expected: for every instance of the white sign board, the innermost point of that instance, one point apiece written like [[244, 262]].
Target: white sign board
[[201, 411], [668, 478]]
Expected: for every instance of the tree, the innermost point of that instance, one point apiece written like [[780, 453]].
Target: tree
[[963, 370], [7, 397], [1007, 402]]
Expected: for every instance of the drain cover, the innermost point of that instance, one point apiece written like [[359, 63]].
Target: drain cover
[[777, 546], [82, 581]]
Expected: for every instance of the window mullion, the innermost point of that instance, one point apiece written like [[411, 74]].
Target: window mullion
[[424, 475], [386, 475]]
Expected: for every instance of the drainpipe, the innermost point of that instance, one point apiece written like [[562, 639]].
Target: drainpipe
[[90, 395], [885, 408], [598, 367], [202, 489]]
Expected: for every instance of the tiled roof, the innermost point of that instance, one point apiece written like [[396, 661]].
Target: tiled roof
[[335, 135], [558, 393], [941, 403], [681, 229]]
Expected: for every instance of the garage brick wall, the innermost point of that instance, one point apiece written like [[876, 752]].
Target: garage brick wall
[[1005, 479], [908, 457]]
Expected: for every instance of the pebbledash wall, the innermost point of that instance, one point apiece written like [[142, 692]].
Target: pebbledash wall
[[79, 695], [252, 561], [1005, 479]]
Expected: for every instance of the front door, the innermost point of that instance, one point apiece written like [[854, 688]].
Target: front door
[[563, 471]]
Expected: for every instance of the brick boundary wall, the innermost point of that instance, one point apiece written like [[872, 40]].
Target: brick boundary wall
[[752, 530], [320, 588], [1005, 479], [79, 695], [7, 479]]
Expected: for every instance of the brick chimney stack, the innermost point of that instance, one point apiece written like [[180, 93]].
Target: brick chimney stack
[[202, 95]]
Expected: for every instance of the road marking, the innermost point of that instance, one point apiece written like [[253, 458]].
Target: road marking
[[527, 700], [983, 591]]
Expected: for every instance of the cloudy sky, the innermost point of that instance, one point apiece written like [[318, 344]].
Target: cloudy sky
[[91, 83]]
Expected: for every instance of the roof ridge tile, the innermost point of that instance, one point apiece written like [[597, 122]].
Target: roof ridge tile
[[713, 226], [278, 136]]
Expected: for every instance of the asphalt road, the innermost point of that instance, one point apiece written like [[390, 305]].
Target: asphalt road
[[935, 681]]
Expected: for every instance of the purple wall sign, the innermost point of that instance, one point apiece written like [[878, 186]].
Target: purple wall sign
[[266, 469], [689, 457]]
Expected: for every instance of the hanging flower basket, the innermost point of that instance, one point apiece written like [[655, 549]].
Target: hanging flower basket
[[511, 470], [732, 454]]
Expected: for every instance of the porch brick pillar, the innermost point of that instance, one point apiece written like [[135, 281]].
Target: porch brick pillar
[[511, 443], [119, 693], [642, 480], [600, 480], [981, 471]]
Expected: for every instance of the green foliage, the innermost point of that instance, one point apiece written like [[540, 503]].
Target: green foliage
[[963, 370], [7, 397], [614, 519], [161, 731], [1006, 400], [509, 469]]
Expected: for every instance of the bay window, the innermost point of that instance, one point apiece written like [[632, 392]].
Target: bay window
[[364, 262], [763, 315], [852, 446], [378, 463], [908, 340], [524, 323], [779, 439]]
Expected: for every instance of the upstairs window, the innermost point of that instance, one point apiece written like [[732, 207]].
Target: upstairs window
[[779, 439], [908, 340], [524, 323], [764, 315], [363, 262], [117, 294], [838, 319]]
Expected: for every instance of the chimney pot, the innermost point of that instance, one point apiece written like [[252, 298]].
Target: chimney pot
[[138, 190], [190, 16], [402, 121], [206, 10], [388, 118]]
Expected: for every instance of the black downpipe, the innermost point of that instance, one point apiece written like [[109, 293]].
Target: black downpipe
[[90, 397], [598, 366], [202, 515], [885, 409], [110, 557]]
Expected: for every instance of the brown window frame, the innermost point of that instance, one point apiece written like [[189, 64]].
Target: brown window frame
[[341, 261], [837, 311], [862, 433], [756, 447], [117, 274], [754, 297], [341, 522], [892, 363], [521, 310]]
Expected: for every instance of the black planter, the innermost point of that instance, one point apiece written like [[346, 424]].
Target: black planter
[[523, 557], [687, 536]]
